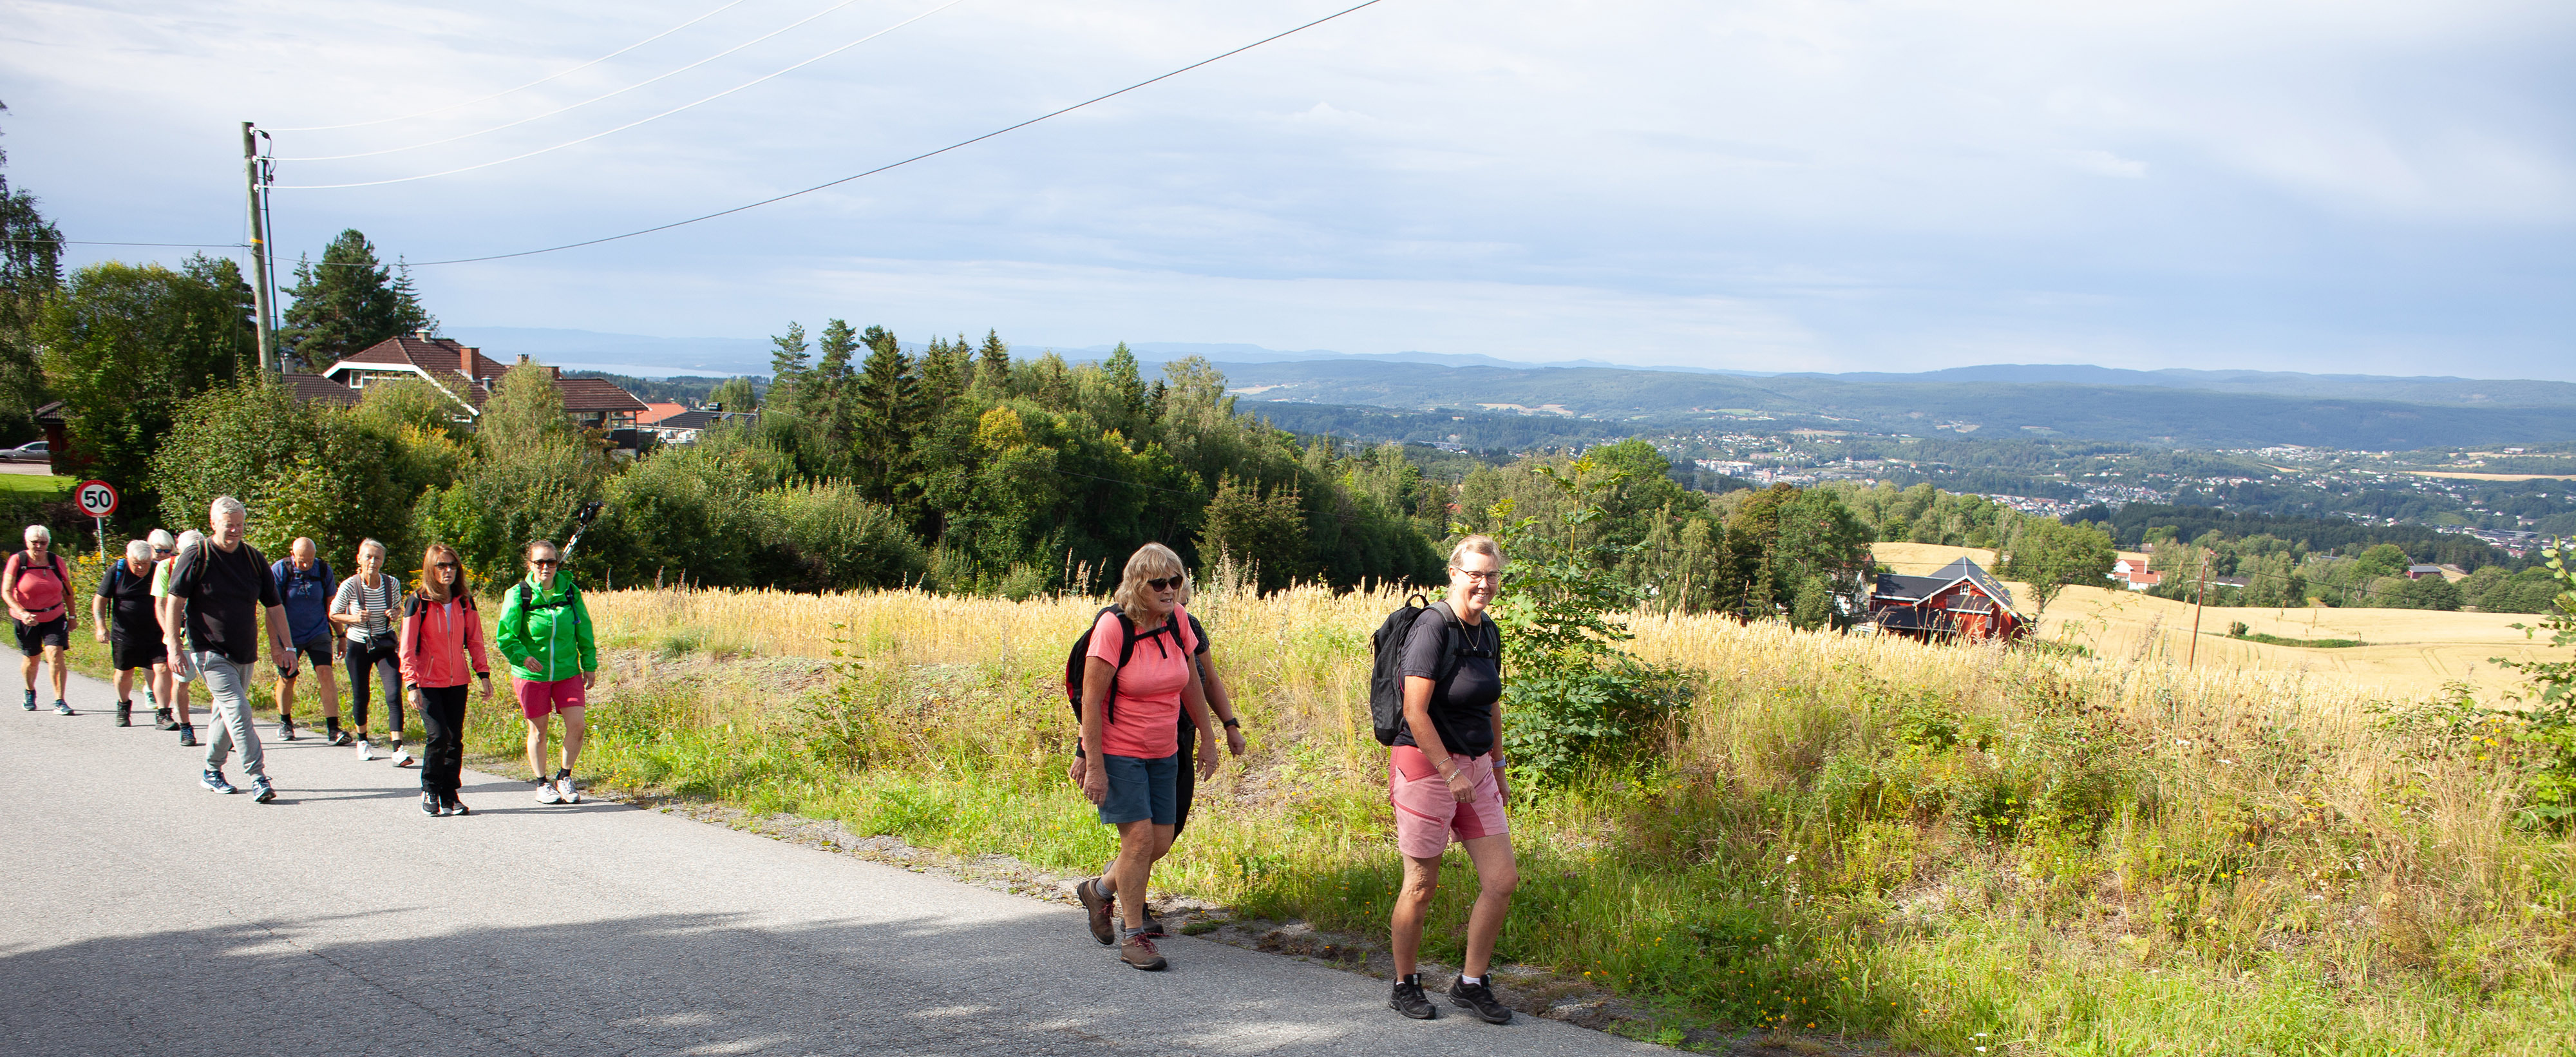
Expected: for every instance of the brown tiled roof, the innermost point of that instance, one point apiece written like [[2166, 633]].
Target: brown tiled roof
[[595, 394], [429, 354], [311, 387]]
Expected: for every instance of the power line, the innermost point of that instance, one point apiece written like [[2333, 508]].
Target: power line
[[531, 84], [90, 242], [621, 91], [914, 158]]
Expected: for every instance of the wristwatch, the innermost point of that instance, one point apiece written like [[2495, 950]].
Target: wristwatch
[[1234, 723]]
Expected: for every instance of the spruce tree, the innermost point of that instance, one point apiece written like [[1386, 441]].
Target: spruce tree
[[993, 366], [887, 413], [787, 368], [347, 302]]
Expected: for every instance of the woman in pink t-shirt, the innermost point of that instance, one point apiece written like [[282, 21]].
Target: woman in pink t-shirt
[[1135, 737]]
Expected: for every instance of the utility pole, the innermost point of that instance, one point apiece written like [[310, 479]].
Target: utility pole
[[255, 174], [2197, 597]]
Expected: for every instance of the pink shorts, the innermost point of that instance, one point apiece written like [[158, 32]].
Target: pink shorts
[[536, 699], [1427, 817]]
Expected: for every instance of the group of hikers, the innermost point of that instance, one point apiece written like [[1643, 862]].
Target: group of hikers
[[1150, 707], [184, 612], [188, 611]]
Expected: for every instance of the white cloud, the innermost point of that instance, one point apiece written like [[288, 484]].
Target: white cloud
[[1831, 184]]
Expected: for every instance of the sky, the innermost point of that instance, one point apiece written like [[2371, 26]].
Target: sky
[[2354, 186]]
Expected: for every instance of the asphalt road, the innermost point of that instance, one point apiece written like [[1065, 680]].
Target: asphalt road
[[144, 915]]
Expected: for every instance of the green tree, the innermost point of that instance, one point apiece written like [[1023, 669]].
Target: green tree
[[2383, 560], [536, 470], [885, 413], [346, 303], [31, 269], [1262, 537], [304, 470], [787, 367], [735, 394], [125, 346], [2050, 554]]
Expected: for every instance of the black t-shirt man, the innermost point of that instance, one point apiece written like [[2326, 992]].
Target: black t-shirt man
[[225, 592], [1462, 706], [129, 597]]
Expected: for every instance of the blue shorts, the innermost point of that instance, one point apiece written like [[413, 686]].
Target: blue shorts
[[1142, 789]]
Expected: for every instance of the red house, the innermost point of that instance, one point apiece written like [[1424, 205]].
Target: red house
[[1958, 601]]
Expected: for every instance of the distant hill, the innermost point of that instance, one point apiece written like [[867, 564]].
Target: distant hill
[[2420, 390], [2184, 417]]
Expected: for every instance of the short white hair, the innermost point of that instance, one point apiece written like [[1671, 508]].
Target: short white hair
[[370, 541], [161, 538], [138, 551], [190, 539], [223, 505], [42, 533]]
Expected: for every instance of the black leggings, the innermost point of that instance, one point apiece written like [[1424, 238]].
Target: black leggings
[[442, 763], [387, 670]]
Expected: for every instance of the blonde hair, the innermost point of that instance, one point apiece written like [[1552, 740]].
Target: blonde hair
[[1151, 561], [1478, 544]]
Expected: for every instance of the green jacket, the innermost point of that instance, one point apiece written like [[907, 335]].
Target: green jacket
[[546, 632]]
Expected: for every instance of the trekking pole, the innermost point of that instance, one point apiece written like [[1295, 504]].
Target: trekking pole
[[581, 523]]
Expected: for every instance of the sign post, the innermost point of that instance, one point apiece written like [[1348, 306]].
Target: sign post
[[98, 500]]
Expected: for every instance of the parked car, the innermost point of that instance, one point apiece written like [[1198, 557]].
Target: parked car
[[33, 451]]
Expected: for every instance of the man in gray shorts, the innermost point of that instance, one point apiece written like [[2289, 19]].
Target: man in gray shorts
[[305, 584]]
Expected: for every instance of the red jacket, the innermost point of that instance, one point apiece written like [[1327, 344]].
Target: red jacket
[[437, 638]]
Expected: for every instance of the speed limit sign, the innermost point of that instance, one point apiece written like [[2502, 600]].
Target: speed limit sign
[[97, 498]]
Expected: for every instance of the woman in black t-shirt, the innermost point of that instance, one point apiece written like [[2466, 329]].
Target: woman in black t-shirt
[[1445, 778]]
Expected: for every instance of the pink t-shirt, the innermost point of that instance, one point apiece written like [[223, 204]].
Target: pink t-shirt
[[1146, 719]]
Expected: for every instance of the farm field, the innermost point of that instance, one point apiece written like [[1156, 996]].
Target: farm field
[[2409, 652]]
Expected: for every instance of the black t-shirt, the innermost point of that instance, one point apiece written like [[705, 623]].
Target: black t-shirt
[[1189, 730], [225, 593], [129, 597], [1462, 708]]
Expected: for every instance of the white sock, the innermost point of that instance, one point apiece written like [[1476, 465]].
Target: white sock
[[1470, 981]]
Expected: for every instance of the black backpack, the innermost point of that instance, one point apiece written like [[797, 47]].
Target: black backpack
[[1074, 661], [1386, 679]]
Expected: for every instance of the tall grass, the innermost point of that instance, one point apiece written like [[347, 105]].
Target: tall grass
[[1946, 846]]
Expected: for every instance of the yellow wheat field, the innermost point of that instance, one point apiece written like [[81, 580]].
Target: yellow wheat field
[[2410, 652]]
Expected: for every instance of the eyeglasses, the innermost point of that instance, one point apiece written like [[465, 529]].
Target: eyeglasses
[[1493, 577], [1162, 582], [546, 562]]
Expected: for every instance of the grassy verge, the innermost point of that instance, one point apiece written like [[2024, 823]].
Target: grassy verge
[[1944, 847], [2317, 644]]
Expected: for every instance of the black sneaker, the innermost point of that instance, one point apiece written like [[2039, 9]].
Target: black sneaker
[[1479, 998], [339, 738], [187, 737], [1410, 1001], [286, 728], [430, 806], [161, 720], [457, 807], [125, 713]]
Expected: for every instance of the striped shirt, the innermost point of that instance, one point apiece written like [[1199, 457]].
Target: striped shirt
[[356, 597]]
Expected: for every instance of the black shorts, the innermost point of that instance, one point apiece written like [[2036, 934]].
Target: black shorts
[[129, 654], [57, 633], [317, 649]]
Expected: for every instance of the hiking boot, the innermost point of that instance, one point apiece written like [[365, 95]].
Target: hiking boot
[[1154, 926], [187, 736], [261, 791], [1139, 952], [1479, 999], [161, 720], [125, 713], [546, 792], [430, 806], [285, 728], [1410, 1001], [1103, 910], [563, 786], [214, 783], [63, 708]]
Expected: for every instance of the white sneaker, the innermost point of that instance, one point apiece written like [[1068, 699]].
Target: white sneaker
[[546, 792], [402, 759], [366, 752], [563, 787]]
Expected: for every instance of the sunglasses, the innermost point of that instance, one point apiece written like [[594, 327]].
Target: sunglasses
[[1162, 582], [546, 562], [447, 565]]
